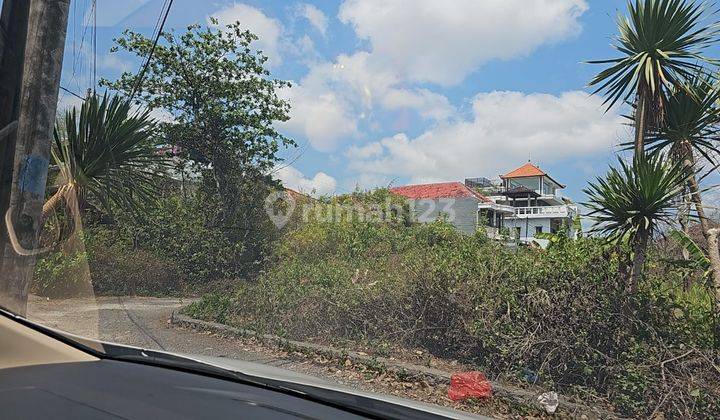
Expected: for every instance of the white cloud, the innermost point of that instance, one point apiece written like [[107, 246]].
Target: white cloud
[[111, 61], [503, 129], [321, 116], [429, 104], [443, 41], [364, 152], [267, 29], [320, 184], [414, 41], [315, 16], [329, 103], [67, 101]]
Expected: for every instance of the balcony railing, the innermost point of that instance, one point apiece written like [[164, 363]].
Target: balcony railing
[[545, 211]]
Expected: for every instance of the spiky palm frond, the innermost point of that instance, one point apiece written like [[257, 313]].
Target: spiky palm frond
[[635, 198], [692, 118], [661, 42], [106, 154]]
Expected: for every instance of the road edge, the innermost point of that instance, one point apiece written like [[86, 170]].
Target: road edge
[[397, 368]]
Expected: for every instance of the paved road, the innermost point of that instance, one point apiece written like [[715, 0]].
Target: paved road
[[137, 321], [144, 322]]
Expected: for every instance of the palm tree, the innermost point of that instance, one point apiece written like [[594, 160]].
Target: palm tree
[[692, 125], [105, 156], [631, 202], [661, 43]]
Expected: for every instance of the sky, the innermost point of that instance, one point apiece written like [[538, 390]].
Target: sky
[[407, 91]]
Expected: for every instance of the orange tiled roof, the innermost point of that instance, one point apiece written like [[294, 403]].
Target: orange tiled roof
[[438, 190], [527, 169]]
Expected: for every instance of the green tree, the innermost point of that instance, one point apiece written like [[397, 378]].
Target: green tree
[[661, 42], [224, 103], [106, 156], [632, 202], [692, 124]]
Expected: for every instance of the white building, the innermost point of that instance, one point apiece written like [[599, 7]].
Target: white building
[[458, 203], [524, 203], [538, 204]]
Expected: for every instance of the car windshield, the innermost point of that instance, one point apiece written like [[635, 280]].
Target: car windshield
[[507, 208]]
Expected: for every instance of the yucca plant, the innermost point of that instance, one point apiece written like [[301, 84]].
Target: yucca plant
[[661, 42], [106, 156], [633, 201], [691, 126]]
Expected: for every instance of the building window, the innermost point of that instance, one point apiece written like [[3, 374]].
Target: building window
[[538, 229]]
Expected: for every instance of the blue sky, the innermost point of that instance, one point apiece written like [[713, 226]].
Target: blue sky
[[408, 91]]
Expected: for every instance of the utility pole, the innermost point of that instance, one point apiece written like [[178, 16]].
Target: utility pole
[[13, 33], [44, 48]]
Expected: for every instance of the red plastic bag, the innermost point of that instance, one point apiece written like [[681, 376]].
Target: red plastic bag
[[464, 385]]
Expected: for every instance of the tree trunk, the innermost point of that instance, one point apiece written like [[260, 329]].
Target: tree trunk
[[714, 255], [640, 244], [54, 201], [684, 216], [224, 188], [696, 199], [47, 26], [640, 120]]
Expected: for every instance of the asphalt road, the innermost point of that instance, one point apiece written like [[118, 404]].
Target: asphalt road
[[144, 322], [138, 321]]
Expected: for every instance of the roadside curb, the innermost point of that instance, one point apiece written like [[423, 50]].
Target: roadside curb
[[395, 367]]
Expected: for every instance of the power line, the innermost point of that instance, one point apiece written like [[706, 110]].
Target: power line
[[138, 82], [71, 92]]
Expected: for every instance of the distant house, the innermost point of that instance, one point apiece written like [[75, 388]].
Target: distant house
[[539, 206], [462, 206], [524, 202]]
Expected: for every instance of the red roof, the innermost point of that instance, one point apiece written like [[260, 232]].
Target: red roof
[[526, 170], [296, 195], [439, 190]]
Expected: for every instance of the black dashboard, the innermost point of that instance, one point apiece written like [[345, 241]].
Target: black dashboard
[[116, 389]]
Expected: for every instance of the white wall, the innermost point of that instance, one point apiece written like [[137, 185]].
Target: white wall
[[531, 224], [461, 212]]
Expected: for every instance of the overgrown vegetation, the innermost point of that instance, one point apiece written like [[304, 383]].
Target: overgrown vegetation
[[561, 313], [624, 319]]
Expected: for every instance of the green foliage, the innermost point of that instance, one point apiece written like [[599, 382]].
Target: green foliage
[[214, 306], [697, 255], [558, 312], [177, 230], [691, 120], [225, 105], [60, 274], [104, 265], [636, 198], [107, 154], [661, 43]]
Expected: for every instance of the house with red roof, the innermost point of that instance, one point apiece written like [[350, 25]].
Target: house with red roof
[[539, 206], [459, 204], [524, 202]]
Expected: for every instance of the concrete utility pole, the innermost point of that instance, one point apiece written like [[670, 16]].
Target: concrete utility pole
[[13, 32], [44, 48]]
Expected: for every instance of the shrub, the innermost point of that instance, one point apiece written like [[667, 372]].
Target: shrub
[[559, 313], [104, 265], [177, 231]]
